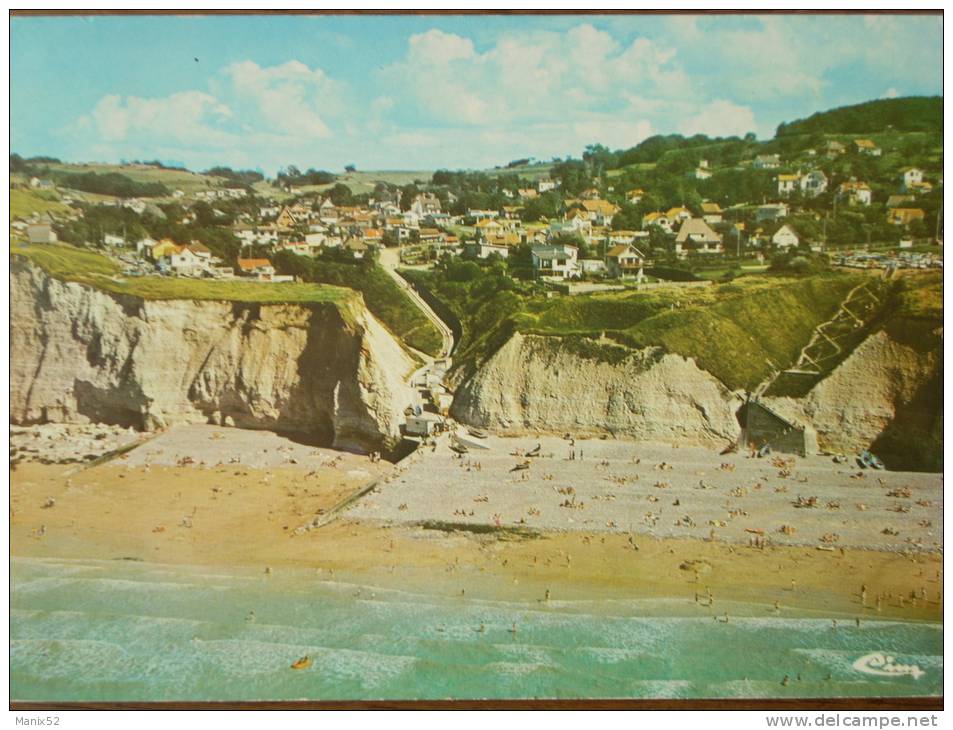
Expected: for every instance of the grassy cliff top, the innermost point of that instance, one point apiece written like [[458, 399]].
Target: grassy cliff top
[[739, 332], [68, 263]]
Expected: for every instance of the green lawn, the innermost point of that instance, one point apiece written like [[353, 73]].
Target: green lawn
[[24, 203], [88, 267]]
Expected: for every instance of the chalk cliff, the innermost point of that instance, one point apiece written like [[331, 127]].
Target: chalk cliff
[[884, 388], [881, 381], [331, 373], [545, 383]]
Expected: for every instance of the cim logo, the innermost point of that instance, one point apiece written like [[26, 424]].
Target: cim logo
[[884, 665]]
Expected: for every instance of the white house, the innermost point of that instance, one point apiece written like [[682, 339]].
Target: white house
[[703, 172], [813, 183], [144, 246], [856, 193], [912, 177], [545, 184], [555, 260], [110, 239], [787, 184], [483, 250], [767, 162], [711, 213], [657, 219], [770, 212], [592, 266], [785, 237]]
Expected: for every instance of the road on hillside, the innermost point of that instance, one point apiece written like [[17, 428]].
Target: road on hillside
[[390, 260]]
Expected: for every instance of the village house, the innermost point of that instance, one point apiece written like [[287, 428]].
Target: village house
[[144, 246], [592, 267], [113, 241], [600, 211], [905, 216], [483, 249], [785, 237], [425, 204], [912, 177], [193, 259], [589, 194], [41, 183], [767, 162], [898, 201], [854, 192], [679, 215], [262, 270], [265, 235], [813, 183], [544, 184], [286, 220], [527, 193], [624, 260], [866, 147], [136, 205], [657, 219], [623, 237], [373, 236], [770, 212], [555, 261], [635, 196], [576, 221], [696, 236], [163, 248], [835, 148], [711, 213], [488, 227], [432, 235], [788, 183], [703, 172], [302, 248]]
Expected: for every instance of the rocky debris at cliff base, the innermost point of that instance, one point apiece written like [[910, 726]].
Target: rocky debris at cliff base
[[58, 443], [206, 446]]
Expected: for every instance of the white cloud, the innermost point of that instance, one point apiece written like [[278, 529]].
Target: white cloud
[[290, 98], [185, 118], [271, 114], [720, 118]]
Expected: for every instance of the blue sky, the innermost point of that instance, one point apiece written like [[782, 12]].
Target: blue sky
[[421, 92]]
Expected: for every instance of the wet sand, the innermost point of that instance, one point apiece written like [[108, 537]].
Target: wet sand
[[237, 515]]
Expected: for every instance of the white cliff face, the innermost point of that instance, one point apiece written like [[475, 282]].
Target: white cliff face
[[536, 383], [79, 355], [859, 399]]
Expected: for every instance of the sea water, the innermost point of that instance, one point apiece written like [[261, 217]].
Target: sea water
[[118, 630]]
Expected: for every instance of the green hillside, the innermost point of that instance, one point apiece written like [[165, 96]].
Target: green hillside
[[735, 331], [906, 114]]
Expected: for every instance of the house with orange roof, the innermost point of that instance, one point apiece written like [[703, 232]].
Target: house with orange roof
[[905, 216]]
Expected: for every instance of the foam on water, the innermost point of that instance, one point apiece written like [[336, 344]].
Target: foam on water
[[86, 630]]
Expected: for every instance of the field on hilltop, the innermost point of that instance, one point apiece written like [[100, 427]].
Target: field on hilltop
[[68, 263]]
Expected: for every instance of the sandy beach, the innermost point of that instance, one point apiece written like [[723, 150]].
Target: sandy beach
[[179, 500]]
